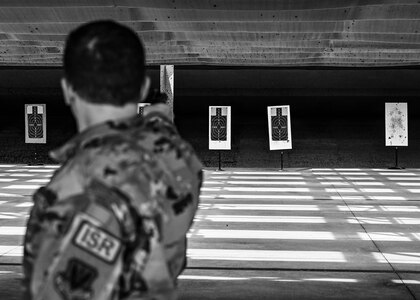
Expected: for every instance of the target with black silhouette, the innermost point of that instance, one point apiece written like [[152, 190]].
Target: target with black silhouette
[[36, 128], [279, 127], [35, 123], [219, 128]]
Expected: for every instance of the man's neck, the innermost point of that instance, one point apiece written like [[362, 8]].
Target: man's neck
[[90, 114]]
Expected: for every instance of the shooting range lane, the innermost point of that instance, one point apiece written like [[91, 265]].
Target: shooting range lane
[[266, 232]]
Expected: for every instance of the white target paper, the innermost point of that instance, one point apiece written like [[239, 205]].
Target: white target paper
[[140, 108], [35, 124], [279, 128], [396, 124], [219, 128]]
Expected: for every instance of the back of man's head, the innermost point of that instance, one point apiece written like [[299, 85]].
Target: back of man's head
[[104, 63]]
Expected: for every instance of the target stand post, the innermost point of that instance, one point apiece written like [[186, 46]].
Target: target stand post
[[281, 160], [279, 130], [220, 161], [396, 166], [219, 130], [35, 161]]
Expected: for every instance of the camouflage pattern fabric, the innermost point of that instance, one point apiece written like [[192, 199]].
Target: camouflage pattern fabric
[[130, 183]]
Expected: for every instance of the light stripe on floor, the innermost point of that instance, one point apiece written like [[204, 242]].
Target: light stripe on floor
[[398, 198], [265, 189], [236, 255], [202, 277], [266, 255], [10, 215], [370, 183], [414, 191], [268, 177], [353, 173], [25, 204], [38, 180], [6, 217], [379, 208], [360, 178], [262, 207], [392, 236], [404, 178], [398, 257], [340, 183], [397, 174], [22, 187], [239, 182], [408, 183], [265, 219], [259, 196], [10, 195], [11, 251], [12, 230], [384, 220], [262, 234], [365, 197], [266, 173]]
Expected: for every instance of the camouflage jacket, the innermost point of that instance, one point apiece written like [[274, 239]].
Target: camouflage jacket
[[145, 160]]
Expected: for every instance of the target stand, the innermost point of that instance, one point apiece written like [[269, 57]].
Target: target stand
[[396, 166], [220, 161], [35, 158], [35, 129], [281, 161], [279, 130], [396, 128], [219, 130]]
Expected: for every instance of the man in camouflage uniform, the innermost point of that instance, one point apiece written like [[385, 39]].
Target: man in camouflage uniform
[[112, 222]]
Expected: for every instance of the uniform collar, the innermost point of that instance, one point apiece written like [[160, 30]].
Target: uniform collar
[[70, 148]]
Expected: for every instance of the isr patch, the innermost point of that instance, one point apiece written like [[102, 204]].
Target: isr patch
[[97, 241]]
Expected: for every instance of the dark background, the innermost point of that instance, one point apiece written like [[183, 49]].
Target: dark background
[[337, 114]]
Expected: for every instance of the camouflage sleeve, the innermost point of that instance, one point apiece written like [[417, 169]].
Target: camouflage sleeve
[[43, 198], [65, 182], [75, 247]]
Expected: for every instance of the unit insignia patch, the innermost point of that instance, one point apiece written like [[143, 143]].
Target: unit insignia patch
[[97, 242], [75, 282]]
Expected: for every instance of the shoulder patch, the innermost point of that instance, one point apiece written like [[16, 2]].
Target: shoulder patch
[[97, 241], [75, 282]]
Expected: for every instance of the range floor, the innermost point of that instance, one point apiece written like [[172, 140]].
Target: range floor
[[270, 234]]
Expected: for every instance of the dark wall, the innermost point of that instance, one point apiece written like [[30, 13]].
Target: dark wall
[[337, 114]]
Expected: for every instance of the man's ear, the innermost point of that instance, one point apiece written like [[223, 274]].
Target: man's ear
[[145, 88], [66, 91]]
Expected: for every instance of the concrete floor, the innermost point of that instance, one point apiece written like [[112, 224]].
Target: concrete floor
[[270, 234]]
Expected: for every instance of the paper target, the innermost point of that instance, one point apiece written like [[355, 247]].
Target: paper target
[[279, 127], [35, 123], [219, 128], [396, 124]]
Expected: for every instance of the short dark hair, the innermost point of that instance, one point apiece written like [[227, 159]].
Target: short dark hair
[[104, 62]]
